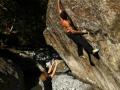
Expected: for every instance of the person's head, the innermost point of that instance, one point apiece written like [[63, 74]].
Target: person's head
[[64, 15]]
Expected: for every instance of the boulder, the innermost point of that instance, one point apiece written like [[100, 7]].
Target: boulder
[[101, 19]]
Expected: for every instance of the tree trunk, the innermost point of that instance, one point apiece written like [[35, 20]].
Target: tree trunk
[[101, 19]]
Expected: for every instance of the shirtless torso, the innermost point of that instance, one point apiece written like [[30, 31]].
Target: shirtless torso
[[65, 24]]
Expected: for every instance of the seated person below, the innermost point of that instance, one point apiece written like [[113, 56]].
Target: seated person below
[[47, 61]]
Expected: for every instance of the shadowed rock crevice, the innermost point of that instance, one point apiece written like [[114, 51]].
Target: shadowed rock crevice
[[26, 65], [28, 19], [10, 76]]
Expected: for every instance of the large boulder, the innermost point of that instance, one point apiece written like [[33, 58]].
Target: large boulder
[[101, 19]]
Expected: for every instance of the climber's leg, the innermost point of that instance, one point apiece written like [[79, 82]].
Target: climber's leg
[[80, 50], [80, 41]]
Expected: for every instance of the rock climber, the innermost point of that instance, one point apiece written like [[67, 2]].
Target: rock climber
[[73, 33]]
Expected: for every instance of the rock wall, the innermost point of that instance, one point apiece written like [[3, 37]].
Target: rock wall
[[67, 82], [101, 19]]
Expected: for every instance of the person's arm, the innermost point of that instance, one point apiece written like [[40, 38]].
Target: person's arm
[[77, 32], [44, 75], [54, 69], [59, 6], [50, 69]]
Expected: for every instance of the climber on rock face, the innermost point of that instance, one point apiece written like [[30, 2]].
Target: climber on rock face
[[73, 33]]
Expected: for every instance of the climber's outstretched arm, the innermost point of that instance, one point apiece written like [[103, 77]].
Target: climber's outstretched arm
[[77, 32], [59, 7]]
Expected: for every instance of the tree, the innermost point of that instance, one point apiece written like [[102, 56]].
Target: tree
[[101, 19]]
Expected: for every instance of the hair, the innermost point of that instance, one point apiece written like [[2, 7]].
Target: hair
[[64, 15]]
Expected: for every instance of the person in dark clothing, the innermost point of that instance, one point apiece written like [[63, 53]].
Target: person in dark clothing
[[82, 42]]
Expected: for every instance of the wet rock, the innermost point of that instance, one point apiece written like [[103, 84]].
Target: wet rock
[[11, 78]]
